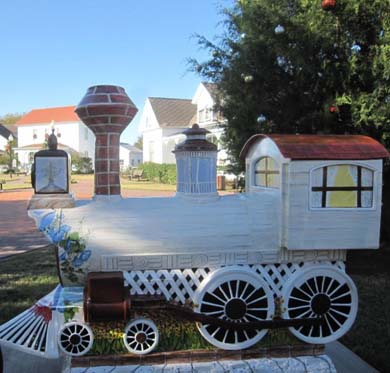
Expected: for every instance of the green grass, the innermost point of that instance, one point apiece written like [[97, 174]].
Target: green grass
[[24, 279], [370, 335], [16, 182], [146, 185]]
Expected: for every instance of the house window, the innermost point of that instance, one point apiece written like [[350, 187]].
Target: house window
[[85, 133], [267, 173], [35, 134], [205, 115], [342, 186]]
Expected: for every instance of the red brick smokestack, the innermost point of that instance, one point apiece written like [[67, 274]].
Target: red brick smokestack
[[106, 110]]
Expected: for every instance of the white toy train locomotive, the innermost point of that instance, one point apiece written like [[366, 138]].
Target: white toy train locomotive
[[308, 200]]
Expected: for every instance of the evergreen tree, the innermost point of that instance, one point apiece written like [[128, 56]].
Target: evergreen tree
[[288, 66]]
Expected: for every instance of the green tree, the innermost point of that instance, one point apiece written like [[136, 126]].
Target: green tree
[[288, 66], [139, 143], [10, 118]]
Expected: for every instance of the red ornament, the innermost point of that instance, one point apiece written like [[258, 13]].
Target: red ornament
[[328, 4], [333, 109]]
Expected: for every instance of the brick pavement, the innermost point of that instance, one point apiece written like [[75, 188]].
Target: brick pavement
[[18, 233]]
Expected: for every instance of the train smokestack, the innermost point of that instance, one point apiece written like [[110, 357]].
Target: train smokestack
[[106, 110], [196, 164]]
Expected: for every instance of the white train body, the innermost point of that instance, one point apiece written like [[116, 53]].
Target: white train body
[[308, 200]]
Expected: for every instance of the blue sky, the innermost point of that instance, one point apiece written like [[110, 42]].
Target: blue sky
[[53, 50]]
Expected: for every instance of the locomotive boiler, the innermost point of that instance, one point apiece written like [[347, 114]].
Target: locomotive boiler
[[238, 259]]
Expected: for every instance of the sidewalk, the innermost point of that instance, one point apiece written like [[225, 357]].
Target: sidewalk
[[18, 232]]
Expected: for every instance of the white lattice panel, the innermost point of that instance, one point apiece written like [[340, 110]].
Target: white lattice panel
[[180, 285]]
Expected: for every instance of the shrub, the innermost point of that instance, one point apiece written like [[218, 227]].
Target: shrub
[[81, 165], [162, 173]]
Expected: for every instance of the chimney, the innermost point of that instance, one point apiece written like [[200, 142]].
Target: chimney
[[196, 164], [106, 110]]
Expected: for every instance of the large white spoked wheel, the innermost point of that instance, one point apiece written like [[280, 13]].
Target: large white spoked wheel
[[321, 291], [141, 336], [75, 338], [235, 294]]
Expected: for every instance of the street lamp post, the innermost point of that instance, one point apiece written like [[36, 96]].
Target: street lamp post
[[10, 143]]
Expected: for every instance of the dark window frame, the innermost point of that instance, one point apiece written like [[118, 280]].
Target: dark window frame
[[358, 188]]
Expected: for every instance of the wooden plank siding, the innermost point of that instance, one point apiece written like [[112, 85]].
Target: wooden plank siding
[[309, 228]]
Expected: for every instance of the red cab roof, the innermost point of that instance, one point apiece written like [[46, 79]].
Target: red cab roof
[[58, 114], [327, 147]]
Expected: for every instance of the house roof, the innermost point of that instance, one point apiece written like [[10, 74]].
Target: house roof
[[173, 112], [212, 89], [5, 132], [131, 148], [41, 147], [325, 147], [58, 114]]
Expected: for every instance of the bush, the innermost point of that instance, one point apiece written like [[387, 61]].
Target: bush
[[162, 173], [81, 165]]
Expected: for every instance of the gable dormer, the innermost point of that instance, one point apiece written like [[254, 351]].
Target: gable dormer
[[204, 99]]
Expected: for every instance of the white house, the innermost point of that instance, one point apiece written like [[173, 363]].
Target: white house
[[129, 156], [34, 127], [4, 137], [164, 119]]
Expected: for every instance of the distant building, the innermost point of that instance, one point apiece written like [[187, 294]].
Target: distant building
[[5, 133], [34, 128], [129, 156], [164, 119]]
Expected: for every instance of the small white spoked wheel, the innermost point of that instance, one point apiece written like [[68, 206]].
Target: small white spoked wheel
[[141, 336], [323, 291], [75, 338], [234, 294]]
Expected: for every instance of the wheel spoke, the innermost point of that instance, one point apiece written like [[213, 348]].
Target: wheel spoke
[[334, 290], [213, 304], [323, 284], [316, 285], [304, 292], [243, 292], [251, 293], [299, 307], [216, 331], [224, 294], [339, 312], [334, 319], [303, 314], [342, 295], [342, 304], [213, 313], [329, 285], [225, 336], [300, 299], [257, 300], [310, 288], [217, 297], [230, 290]]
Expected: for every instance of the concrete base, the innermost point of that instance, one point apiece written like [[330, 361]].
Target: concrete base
[[302, 364], [51, 201], [15, 361]]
